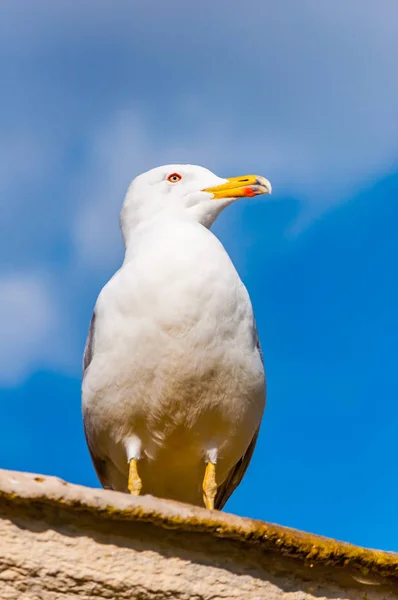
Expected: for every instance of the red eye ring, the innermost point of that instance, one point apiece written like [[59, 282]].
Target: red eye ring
[[174, 177]]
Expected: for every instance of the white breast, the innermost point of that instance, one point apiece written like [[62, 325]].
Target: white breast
[[175, 361]]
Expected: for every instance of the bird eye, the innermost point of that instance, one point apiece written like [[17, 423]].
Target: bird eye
[[174, 177]]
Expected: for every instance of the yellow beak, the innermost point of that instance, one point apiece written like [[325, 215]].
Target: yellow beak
[[241, 187]]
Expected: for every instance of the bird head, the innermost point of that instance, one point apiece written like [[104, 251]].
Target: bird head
[[185, 191]]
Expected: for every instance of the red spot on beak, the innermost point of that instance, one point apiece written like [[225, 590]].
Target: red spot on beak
[[249, 192]]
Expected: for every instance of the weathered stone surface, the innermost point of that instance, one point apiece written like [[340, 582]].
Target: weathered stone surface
[[62, 541]]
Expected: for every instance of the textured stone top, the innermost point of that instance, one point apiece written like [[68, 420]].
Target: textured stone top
[[25, 491]]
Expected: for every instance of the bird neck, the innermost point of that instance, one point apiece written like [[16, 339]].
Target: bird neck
[[137, 217], [162, 232]]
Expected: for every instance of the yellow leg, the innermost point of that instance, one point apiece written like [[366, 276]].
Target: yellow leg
[[209, 486], [134, 482]]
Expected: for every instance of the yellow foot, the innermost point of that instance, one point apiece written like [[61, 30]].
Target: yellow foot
[[209, 486], [134, 484]]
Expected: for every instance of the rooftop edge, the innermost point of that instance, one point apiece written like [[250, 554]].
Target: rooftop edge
[[21, 488]]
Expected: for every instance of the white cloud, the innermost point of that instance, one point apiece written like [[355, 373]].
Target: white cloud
[[28, 320], [116, 152], [312, 99], [312, 104]]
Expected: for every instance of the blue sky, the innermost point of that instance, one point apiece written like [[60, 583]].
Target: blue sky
[[304, 93]]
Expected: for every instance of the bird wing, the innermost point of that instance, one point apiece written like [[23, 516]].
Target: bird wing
[[89, 348], [235, 475], [237, 472], [98, 462]]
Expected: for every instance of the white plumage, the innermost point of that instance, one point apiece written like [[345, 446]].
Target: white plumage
[[173, 374]]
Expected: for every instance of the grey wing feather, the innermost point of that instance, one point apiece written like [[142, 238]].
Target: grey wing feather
[[257, 341], [99, 463], [89, 348], [236, 474]]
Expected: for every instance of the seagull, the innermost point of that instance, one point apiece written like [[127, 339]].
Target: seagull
[[173, 389]]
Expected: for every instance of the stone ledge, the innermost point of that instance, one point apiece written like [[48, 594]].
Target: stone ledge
[[160, 547]]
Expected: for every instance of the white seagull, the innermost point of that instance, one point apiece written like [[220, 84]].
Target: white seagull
[[173, 386]]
